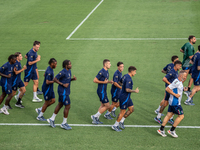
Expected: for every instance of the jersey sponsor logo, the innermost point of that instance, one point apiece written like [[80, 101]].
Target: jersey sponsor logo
[[129, 82], [100, 73], [116, 76], [49, 74], [31, 56], [60, 73]]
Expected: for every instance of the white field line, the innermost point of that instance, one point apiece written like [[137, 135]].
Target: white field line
[[91, 125], [127, 39], [41, 70], [84, 20]]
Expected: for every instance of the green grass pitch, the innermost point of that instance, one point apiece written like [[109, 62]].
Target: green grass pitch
[[51, 22]]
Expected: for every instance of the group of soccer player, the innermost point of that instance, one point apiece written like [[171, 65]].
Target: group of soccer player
[[174, 86], [121, 87]]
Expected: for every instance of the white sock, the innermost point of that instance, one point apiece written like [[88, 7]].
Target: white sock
[[116, 124], [189, 99], [108, 113], [114, 109], [159, 115], [53, 117], [98, 114], [6, 106], [35, 95], [122, 120], [158, 108], [64, 120], [18, 93], [172, 117], [41, 114]]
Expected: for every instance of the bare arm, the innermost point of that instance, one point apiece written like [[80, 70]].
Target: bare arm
[[163, 71], [35, 61], [19, 71], [198, 68], [182, 51], [132, 91], [57, 81], [3, 75], [49, 82], [74, 78], [191, 56], [117, 85], [166, 81], [171, 92]]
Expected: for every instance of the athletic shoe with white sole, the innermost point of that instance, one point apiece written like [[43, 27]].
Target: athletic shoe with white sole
[[19, 105], [65, 126], [108, 117], [116, 128], [121, 125], [158, 120], [113, 113], [51, 122], [37, 100], [37, 110], [162, 133], [41, 118], [5, 111], [172, 133]]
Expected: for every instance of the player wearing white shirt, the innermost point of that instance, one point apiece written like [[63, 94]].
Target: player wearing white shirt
[[175, 89]]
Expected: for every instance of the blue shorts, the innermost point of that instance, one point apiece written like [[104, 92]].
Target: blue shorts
[[30, 75], [7, 89], [48, 96], [124, 104], [103, 97], [115, 96], [64, 99], [167, 95], [18, 84], [176, 109], [196, 81]]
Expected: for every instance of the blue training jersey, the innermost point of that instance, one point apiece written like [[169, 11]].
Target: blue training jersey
[[101, 76], [171, 76], [49, 75], [117, 77], [16, 78], [31, 56], [64, 76], [196, 63], [126, 83], [6, 69], [168, 67]]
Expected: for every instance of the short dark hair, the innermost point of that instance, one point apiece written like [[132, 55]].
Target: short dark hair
[[173, 58], [52, 60], [177, 62], [190, 37], [65, 63], [11, 57], [119, 63], [105, 61], [199, 47], [131, 68], [36, 43], [17, 54]]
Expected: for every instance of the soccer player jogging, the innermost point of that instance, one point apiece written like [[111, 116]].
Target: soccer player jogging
[[115, 90], [175, 90], [166, 70], [188, 51], [47, 89], [102, 80], [168, 79], [64, 80], [6, 71], [125, 99], [30, 72], [16, 80], [195, 76]]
